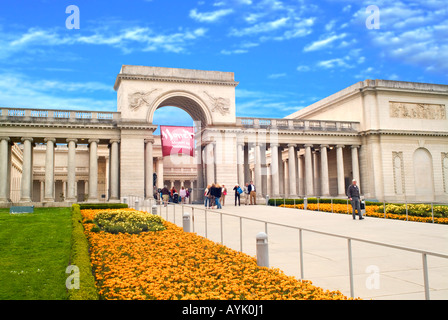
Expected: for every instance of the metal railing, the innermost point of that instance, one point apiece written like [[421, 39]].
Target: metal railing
[[139, 204], [282, 200]]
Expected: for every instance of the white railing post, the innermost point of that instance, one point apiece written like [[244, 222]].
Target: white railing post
[[262, 250]]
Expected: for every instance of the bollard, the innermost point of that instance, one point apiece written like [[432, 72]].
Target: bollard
[[154, 210], [125, 200], [262, 250], [305, 203], [137, 205], [267, 199], [186, 222]]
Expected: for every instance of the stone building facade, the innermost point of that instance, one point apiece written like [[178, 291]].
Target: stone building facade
[[391, 136]]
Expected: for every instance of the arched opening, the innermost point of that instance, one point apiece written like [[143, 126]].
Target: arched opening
[[178, 109], [423, 175]]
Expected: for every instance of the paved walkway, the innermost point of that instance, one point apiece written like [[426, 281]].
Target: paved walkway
[[379, 272]]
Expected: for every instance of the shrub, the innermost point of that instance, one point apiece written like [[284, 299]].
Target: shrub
[[127, 221], [80, 257], [102, 205]]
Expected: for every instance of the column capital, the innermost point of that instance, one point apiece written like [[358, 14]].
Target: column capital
[[147, 140], [274, 144], [71, 140], [340, 146], [324, 146], [355, 146], [293, 145], [27, 139], [93, 140], [50, 139], [306, 145], [117, 140]]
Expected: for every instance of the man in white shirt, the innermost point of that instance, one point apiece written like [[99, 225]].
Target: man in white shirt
[[252, 193]]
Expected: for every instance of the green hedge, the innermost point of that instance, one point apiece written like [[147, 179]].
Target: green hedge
[[80, 257], [280, 201], [102, 205]]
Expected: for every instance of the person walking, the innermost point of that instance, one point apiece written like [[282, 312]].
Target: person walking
[[238, 192], [206, 196], [353, 194], [165, 195], [223, 194], [211, 194], [252, 193], [182, 194], [218, 194], [246, 194]]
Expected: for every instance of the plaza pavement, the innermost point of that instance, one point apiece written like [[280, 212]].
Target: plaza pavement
[[379, 272]]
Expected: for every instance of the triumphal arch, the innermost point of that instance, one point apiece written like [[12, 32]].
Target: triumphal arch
[[391, 136]]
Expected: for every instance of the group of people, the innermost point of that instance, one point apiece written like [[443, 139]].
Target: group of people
[[214, 194], [169, 195]]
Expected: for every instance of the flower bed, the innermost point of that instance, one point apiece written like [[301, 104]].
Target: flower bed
[[172, 264], [378, 211]]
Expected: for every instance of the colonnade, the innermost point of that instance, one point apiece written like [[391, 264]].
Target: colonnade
[[303, 166], [49, 180]]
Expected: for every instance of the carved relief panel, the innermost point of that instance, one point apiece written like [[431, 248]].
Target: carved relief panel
[[417, 110]]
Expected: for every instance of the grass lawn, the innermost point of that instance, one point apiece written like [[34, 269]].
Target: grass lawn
[[34, 253]]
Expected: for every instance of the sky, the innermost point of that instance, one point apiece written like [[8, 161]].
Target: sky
[[285, 55]]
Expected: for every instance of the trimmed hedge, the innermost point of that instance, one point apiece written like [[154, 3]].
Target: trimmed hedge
[[80, 257], [102, 205], [280, 201]]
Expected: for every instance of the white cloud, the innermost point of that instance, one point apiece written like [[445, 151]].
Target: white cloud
[[21, 91], [333, 63], [303, 68], [324, 43], [276, 75], [128, 40], [260, 27], [211, 16]]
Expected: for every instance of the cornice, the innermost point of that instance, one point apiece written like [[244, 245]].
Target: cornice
[[172, 79]]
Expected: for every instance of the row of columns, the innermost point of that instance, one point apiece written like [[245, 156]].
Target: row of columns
[[27, 169], [277, 174]]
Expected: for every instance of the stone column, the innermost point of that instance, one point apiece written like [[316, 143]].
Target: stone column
[[159, 168], [71, 170], [275, 178], [309, 185], [5, 171], [292, 169], [281, 176], [340, 170], [247, 177], [149, 169], [114, 170], [324, 178], [93, 170], [257, 170], [210, 161], [355, 165], [240, 163], [49, 170], [27, 170]]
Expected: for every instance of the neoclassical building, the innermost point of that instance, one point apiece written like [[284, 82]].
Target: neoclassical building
[[391, 136]]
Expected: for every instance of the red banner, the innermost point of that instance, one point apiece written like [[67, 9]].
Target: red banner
[[177, 140]]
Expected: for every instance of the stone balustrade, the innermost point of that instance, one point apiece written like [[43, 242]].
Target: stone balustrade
[[43, 115], [297, 124]]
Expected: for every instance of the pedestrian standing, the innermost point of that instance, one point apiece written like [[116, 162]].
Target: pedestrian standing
[[353, 194], [252, 193], [206, 196], [238, 192], [223, 194], [218, 194], [246, 194], [165, 195], [211, 194], [182, 194]]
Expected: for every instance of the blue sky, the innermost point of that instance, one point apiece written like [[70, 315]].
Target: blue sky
[[285, 54]]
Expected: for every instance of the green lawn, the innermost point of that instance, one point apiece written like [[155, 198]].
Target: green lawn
[[34, 253]]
